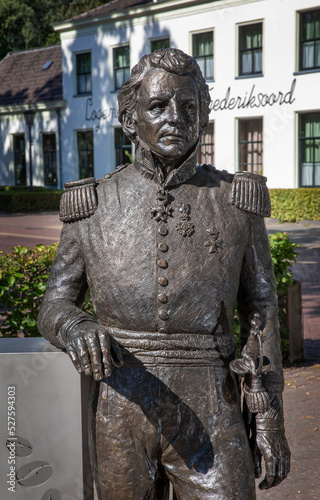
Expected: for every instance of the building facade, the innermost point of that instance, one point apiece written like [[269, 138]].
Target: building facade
[[261, 60], [31, 108]]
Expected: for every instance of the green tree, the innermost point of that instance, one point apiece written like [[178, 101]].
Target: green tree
[[26, 24]]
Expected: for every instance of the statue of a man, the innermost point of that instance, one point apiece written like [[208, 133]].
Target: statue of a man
[[167, 247]]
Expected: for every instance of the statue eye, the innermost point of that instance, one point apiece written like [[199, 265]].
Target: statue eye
[[157, 106]]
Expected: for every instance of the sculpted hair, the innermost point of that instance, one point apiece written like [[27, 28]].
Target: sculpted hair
[[173, 61]]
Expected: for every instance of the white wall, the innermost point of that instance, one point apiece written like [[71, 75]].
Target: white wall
[[279, 18]]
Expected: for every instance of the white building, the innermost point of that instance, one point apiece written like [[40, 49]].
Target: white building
[[31, 107], [261, 59]]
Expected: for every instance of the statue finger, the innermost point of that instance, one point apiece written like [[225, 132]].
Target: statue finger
[[271, 472], [95, 356], [105, 350], [83, 355], [74, 357]]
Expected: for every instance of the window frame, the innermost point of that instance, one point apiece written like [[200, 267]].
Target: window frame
[[88, 75], [193, 35], [54, 158], [121, 68], [86, 150], [239, 143], [23, 154], [312, 138], [300, 68], [252, 74]]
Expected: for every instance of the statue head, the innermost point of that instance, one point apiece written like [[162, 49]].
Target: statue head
[[145, 75]]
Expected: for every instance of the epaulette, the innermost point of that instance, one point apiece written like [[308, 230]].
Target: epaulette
[[79, 201], [250, 193]]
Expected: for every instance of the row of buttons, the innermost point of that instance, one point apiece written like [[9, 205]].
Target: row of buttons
[[162, 280]]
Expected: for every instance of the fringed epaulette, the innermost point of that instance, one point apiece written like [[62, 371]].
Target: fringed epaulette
[[79, 201], [250, 193]]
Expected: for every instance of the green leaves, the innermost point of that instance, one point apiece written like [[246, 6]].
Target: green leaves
[[292, 205], [23, 278]]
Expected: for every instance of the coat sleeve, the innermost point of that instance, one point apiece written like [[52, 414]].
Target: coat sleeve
[[257, 293], [66, 290]]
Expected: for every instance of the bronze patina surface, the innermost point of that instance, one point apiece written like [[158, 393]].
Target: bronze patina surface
[[166, 247]]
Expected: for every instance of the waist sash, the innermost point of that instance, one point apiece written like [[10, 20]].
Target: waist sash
[[181, 349]]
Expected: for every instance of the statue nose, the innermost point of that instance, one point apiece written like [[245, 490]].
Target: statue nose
[[174, 113]]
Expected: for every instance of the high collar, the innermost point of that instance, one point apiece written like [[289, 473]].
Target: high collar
[[147, 165]]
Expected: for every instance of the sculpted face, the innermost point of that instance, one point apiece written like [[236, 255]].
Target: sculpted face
[[167, 114]]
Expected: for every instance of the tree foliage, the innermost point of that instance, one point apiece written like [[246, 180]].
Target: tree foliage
[[26, 24]]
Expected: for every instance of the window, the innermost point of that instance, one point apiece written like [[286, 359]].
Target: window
[[309, 57], [121, 65], [49, 159], [83, 68], [309, 142], [250, 146], [163, 43], [206, 146], [19, 159], [250, 49], [123, 147], [202, 50], [85, 152]]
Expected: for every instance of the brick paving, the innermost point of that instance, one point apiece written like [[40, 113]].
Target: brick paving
[[302, 383]]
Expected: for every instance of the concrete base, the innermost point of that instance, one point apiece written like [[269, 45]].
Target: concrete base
[[43, 424]]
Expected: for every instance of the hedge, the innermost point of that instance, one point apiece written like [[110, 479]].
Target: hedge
[[292, 205], [18, 200]]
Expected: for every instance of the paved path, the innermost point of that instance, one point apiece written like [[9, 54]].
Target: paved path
[[29, 229], [302, 383]]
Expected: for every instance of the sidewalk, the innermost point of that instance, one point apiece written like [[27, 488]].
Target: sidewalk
[[302, 383]]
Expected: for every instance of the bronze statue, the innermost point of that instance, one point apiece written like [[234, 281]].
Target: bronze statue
[[166, 248]]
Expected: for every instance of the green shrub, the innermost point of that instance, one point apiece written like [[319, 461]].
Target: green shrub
[[22, 200], [292, 205], [23, 277]]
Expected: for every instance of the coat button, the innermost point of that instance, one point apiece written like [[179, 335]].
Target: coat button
[[163, 247], [162, 281], [163, 330], [163, 315], [163, 230], [162, 263], [162, 298]]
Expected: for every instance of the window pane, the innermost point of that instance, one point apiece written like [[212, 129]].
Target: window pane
[[19, 159], [250, 145], [250, 49], [85, 154], [309, 146], [164, 43], [202, 48], [310, 40], [123, 147], [121, 61], [49, 159], [206, 146], [83, 63]]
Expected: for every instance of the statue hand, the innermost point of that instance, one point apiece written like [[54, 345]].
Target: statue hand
[[273, 446], [93, 351]]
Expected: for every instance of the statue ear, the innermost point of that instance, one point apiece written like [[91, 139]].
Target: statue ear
[[129, 123]]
